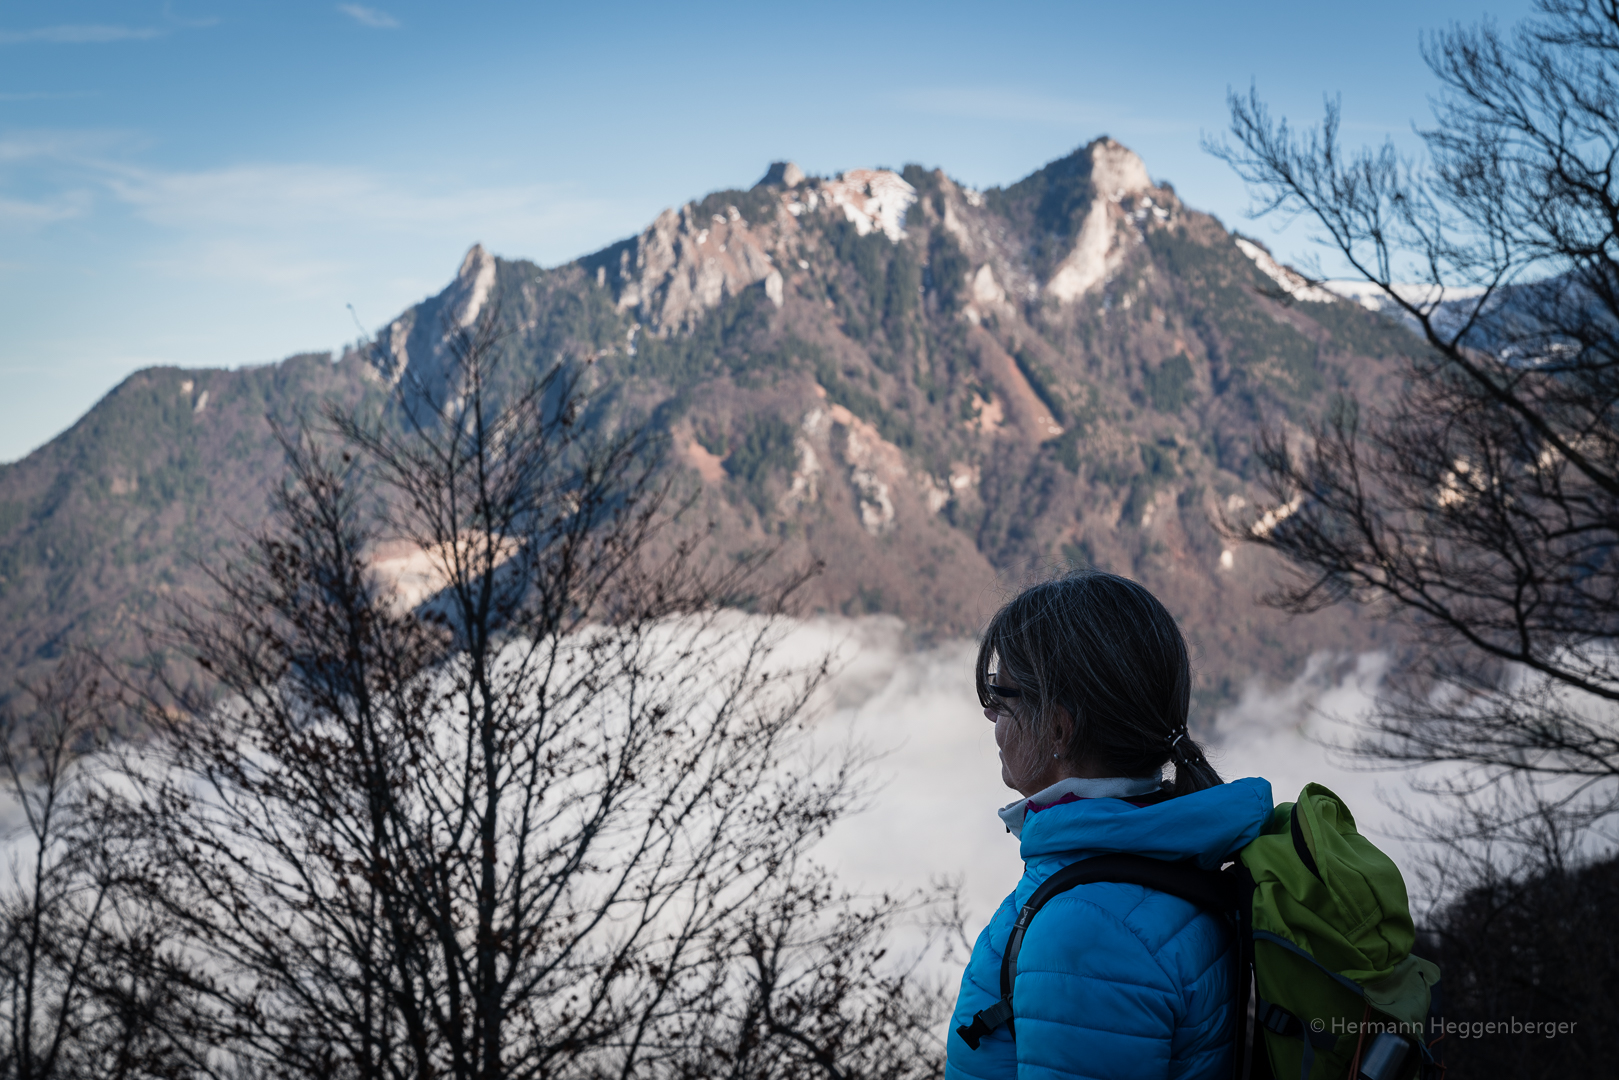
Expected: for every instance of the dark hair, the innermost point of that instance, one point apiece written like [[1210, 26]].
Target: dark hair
[[1103, 648]]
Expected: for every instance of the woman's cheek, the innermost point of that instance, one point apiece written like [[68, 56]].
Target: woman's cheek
[[1012, 763]]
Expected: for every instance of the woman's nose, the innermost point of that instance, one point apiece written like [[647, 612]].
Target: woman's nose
[[991, 715]]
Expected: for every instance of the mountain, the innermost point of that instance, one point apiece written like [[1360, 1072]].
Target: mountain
[[938, 390]]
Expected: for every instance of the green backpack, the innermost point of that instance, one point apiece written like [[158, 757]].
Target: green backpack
[[1324, 925], [1339, 992]]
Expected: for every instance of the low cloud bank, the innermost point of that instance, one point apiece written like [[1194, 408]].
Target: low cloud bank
[[935, 783], [1299, 734]]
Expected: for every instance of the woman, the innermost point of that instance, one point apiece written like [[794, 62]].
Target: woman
[[1087, 681]]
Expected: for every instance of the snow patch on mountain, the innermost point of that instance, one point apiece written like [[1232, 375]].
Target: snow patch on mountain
[[1372, 297], [872, 199], [1291, 281], [1367, 294]]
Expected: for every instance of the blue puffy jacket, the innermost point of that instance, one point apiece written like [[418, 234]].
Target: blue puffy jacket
[[1114, 981]]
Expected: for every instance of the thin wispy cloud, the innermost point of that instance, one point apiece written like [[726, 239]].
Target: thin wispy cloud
[[79, 34], [86, 150], [43, 95], [27, 213], [284, 196], [279, 224], [368, 16]]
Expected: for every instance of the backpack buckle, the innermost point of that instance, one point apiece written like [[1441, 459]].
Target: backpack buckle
[[984, 1022], [1274, 1018]]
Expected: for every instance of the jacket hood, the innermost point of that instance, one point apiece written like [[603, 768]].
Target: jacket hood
[[1208, 826]]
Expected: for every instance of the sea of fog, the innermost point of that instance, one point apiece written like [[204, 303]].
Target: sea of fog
[[934, 785], [932, 782]]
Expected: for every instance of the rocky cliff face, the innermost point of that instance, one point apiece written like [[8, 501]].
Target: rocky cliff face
[[415, 345], [936, 390], [683, 266]]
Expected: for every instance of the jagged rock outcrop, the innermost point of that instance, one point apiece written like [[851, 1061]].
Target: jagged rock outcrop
[[1115, 174], [684, 264], [689, 261], [416, 343], [875, 468], [782, 174]]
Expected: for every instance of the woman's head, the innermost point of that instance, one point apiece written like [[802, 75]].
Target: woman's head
[[1102, 677]]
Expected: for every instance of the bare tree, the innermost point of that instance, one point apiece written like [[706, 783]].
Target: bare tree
[[517, 810], [1483, 502], [810, 991], [83, 988]]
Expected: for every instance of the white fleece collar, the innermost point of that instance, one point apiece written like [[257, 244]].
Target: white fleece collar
[[1110, 787]]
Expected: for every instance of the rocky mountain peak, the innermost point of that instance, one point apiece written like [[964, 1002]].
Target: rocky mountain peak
[[414, 343], [782, 174], [1060, 232], [689, 260], [1116, 173], [470, 290], [1116, 170]]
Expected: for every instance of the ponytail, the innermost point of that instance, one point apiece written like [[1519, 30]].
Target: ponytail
[[1192, 770]]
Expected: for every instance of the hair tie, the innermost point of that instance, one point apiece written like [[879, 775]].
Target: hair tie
[[1174, 742]]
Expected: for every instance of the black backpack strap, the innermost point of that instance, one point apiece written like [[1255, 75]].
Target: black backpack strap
[[1250, 1059], [1272, 1017], [1208, 889]]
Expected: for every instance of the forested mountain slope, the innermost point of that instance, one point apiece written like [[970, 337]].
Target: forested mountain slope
[[938, 391]]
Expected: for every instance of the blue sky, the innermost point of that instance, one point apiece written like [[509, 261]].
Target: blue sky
[[210, 184]]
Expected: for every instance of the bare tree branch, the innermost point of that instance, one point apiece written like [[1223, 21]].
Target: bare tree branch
[[1483, 502]]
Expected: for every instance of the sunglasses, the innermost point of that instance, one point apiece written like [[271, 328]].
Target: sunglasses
[[1000, 694]]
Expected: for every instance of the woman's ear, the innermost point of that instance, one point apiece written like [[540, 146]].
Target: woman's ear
[[1062, 729]]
